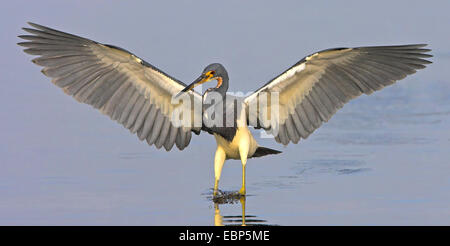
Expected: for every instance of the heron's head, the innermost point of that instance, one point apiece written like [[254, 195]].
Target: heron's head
[[214, 71]]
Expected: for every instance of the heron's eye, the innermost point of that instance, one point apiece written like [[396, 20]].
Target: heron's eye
[[210, 74]]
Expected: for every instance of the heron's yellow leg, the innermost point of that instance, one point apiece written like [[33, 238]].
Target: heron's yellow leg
[[243, 152], [219, 160], [216, 186], [242, 190]]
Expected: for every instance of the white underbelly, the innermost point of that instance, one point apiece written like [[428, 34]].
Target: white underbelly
[[243, 137]]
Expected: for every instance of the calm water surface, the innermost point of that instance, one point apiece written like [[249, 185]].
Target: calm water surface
[[381, 160]]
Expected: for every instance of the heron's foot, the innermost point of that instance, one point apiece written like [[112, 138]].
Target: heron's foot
[[242, 191], [226, 197]]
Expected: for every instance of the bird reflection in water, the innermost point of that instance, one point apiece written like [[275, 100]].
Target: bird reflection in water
[[232, 198]]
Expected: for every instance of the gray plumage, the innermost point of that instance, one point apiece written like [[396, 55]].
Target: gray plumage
[[141, 97], [113, 80], [137, 95], [323, 82]]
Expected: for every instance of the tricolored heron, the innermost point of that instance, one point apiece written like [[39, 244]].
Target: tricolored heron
[[140, 97]]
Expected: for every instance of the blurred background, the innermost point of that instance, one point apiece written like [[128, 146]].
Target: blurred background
[[381, 160]]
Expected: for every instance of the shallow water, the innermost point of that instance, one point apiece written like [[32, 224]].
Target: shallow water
[[381, 160]]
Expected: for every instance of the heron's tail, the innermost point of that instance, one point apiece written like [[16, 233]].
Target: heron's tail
[[262, 151]]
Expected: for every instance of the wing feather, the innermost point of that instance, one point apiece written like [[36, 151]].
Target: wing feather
[[113, 80], [311, 91]]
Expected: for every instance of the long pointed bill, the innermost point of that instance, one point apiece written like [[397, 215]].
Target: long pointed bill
[[200, 80]]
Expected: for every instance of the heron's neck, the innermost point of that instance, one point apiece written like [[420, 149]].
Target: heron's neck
[[213, 93], [223, 87]]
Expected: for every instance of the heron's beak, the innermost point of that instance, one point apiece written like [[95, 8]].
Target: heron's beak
[[200, 80]]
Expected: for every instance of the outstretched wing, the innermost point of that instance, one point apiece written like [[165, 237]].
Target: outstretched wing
[[312, 90], [113, 80]]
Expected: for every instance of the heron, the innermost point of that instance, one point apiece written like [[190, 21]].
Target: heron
[[141, 97]]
